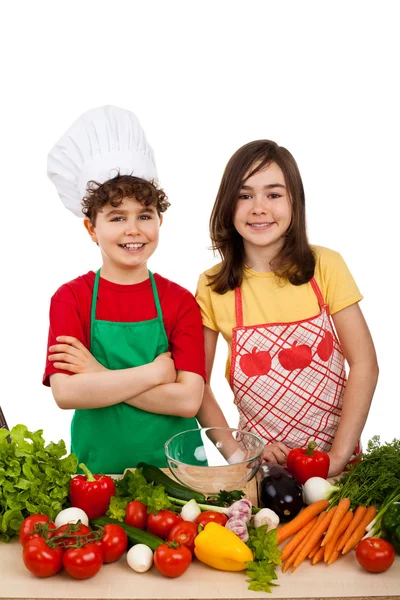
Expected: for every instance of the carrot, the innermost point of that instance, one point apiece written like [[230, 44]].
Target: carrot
[[330, 547], [308, 513], [296, 539], [290, 560], [356, 520], [334, 556], [315, 534], [359, 530], [316, 548], [318, 556], [342, 509]]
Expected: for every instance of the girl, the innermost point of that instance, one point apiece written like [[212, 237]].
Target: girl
[[289, 313]]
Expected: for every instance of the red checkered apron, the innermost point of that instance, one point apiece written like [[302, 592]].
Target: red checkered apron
[[288, 378]]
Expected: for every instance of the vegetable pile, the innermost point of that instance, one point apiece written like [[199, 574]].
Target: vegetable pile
[[362, 507], [155, 520], [34, 478]]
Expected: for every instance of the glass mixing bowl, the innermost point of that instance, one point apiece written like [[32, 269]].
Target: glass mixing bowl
[[212, 459]]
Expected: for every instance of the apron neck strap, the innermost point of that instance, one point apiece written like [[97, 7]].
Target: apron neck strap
[[318, 293], [238, 307], [155, 294], [94, 297]]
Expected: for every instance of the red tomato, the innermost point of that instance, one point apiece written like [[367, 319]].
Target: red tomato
[[28, 525], [71, 539], [161, 523], [172, 560], [136, 514], [113, 543], [40, 559], [209, 516], [184, 533], [84, 562], [375, 555]]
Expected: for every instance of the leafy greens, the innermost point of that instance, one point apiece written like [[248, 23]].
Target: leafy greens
[[261, 570], [369, 481], [34, 478], [133, 486]]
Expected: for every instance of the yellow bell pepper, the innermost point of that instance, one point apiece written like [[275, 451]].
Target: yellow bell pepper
[[221, 548]]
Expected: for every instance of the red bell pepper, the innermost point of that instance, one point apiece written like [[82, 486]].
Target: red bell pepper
[[304, 463], [91, 493]]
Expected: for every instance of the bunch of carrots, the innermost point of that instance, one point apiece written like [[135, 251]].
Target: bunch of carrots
[[323, 533]]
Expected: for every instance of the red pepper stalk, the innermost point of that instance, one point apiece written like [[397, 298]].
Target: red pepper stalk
[[91, 493], [304, 463]]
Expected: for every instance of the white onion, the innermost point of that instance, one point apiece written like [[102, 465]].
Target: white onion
[[317, 488], [71, 515], [190, 511], [140, 558]]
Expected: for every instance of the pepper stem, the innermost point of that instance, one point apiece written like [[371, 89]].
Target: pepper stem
[[89, 474], [311, 447]]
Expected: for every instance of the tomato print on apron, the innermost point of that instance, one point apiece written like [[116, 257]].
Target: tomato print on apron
[[289, 378]]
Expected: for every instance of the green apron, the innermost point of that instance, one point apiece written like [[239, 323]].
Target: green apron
[[110, 439]]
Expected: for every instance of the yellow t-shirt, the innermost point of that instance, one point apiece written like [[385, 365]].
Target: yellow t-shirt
[[266, 299]]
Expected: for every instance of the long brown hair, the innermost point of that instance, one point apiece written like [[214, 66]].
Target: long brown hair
[[296, 261]]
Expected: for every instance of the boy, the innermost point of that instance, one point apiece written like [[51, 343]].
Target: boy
[[125, 348]]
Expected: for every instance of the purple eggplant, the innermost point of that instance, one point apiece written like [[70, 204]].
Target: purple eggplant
[[280, 492]]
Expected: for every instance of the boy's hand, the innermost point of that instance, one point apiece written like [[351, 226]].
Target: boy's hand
[[71, 355], [165, 368], [276, 453]]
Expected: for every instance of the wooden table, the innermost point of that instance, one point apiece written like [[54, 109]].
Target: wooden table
[[343, 579]]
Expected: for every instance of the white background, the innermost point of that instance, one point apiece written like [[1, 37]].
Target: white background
[[320, 78]]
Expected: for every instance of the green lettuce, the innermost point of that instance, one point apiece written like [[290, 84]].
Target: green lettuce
[[34, 477]]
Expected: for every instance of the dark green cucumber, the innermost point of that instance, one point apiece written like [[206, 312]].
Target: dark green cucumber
[[173, 488], [135, 536]]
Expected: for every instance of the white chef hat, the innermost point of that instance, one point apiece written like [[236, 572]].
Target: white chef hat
[[101, 142]]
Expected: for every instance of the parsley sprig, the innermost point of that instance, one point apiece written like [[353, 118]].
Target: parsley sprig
[[369, 481], [261, 570]]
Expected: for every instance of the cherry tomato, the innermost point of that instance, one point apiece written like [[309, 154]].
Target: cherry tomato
[[136, 514], [172, 560], [71, 539], [40, 559], [184, 533], [84, 562], [161, 523], [209, 516], [375, 555], [113, 543], [28, 525]]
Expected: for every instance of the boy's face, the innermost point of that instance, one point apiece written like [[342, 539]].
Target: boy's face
[[127, 236]]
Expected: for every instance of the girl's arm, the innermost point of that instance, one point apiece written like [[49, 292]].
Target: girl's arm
[[359, 351], [210, 413]]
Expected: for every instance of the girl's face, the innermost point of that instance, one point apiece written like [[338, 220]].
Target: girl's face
[[263, 210]]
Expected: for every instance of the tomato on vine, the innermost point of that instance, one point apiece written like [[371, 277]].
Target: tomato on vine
[[40, 559]]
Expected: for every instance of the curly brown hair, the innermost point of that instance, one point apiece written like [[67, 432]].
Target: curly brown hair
[[119, 187]]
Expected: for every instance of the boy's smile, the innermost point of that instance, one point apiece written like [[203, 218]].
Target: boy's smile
[[127, 236]]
